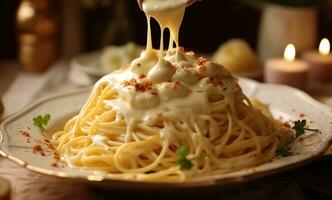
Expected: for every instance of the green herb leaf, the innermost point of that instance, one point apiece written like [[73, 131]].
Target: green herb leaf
[[41, 122], [299, 128], [46, 119], [182, 153], [182, 150], [185, 163], [283, 150]]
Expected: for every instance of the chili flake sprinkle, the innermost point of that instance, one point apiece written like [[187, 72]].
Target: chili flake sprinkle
[[25, 134], [139, 86], [202, 61], [37, 148]]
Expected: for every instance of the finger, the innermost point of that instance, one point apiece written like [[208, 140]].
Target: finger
[[189, 2], [140, 2]]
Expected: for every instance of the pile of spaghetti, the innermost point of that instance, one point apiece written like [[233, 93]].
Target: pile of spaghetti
[[169, 120]]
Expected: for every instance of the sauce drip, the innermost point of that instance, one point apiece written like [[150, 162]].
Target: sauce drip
[[161, 86]]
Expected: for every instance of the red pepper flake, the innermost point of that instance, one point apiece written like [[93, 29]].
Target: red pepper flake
[[142, 87], [50, 146], [302, 115], [211, 80], [138, 65], [37, 148], [130, 82], [141, 76], [55, 164], [201, 61], [56, 156], [201, 69], [25, 134], [139, 86], [216, 81], [286, 124]]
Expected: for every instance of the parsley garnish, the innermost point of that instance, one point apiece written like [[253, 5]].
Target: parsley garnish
[[182, 153], [284, 150], [299, 128], [41, 122]]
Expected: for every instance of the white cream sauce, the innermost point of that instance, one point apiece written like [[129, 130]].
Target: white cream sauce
[[173, 85]]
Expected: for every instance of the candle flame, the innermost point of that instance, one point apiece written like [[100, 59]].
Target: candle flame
[[25, 11], [290, 52], [324, 47]]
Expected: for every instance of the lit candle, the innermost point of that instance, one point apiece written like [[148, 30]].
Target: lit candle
[[320, 62], [287, 70]]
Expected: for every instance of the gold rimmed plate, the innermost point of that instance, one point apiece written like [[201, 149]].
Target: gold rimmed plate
[[286, 103]]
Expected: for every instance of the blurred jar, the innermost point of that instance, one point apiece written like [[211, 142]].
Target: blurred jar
[[107, 22], [37, 34]]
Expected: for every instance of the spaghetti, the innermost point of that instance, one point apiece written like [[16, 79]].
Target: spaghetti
[[137, 118]]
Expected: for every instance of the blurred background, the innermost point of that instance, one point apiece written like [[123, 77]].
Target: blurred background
[[95, 37], [87, 25]]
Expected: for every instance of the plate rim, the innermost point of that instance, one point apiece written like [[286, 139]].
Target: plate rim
[[75, 62], [198, 183]]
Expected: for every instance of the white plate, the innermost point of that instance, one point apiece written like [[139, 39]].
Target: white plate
[[285, 102], [89, 63], [86, 69]]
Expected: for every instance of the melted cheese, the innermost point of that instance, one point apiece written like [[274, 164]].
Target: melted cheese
[[180, 95], [134, 118], [178, 84], [169, 14]]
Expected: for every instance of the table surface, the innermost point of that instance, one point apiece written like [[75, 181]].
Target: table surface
[[29, 185]]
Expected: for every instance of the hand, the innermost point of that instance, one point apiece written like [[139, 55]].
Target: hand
[[189, 2], [140, 2]]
